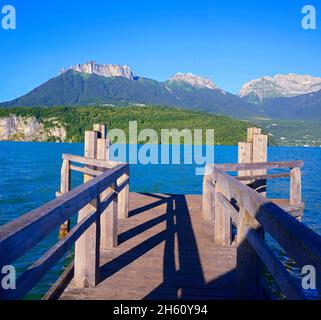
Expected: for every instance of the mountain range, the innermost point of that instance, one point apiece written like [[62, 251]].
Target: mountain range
[[281, 85], [287, 96], [92, 84]]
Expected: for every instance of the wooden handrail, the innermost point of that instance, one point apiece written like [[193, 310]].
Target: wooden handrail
[[88, 171], [284, 279], [90, 161], [257, 166], [255, 212], [264, 176], [245, 170], [275, 220], [31, 228], [34, 273]]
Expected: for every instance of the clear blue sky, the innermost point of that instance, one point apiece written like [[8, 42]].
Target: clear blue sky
[[229, 41]]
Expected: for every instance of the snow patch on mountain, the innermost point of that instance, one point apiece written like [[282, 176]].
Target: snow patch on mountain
[[194, 80], [281, 85]]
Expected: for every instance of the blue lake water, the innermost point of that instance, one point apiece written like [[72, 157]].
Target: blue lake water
[[30, 176]]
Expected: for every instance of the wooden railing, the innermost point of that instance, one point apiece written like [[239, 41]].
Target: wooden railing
[[294, 203], [100, 201], [230, 202]]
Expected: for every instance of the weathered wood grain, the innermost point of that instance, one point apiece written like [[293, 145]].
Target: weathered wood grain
[[264, 176], [208, 207], [245, 155], [258, 166], [260, 147], [31, 228], [223, 221], [166, 251], [65, 187], [301, 243], [109, 217], [296, 211], [251, 132], [248, 265], [123, 195], [39, 269], [85, 170], [289, 285], [101, 129], [296, 187], [87, 247], [89, 161]]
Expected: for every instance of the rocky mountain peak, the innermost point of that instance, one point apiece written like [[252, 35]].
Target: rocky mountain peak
[[104, 70], [280, 85], [194, 80]]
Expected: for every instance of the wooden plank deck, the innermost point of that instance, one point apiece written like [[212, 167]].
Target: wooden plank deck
[[166, 251]]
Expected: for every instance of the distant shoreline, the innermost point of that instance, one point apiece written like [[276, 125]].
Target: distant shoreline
[[51, 142]]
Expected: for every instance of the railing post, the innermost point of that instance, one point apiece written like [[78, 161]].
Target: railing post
[[254, 150], [260, 144], [123, 197], [248, 285], [101, 129], [109, 218], [245, 155], [251, 132], [296, 187], [108, 150], [208, 206], [222, 225], [109, 222], [65, 186], [87, 247]]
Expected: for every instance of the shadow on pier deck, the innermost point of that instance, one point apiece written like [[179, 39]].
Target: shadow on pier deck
[[166, 251]]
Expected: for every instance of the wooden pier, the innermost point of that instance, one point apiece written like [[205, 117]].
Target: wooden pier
[[161, 246], [166, 252]]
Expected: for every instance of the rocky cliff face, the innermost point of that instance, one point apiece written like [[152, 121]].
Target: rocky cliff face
[[104, 70], [195, 81], [15, 128], [282, 85]]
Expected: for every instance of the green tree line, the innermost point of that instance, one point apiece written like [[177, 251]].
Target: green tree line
[[76, 120]]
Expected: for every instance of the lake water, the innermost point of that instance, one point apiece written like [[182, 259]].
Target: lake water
[[30, 176]]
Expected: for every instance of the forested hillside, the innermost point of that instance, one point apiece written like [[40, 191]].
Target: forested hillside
[[77, 119]]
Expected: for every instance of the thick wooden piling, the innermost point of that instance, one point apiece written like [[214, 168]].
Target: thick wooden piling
[[254, 151], [296, 187], [65, 187], [223, 220], [109, 218], [123, 197], [208, 202], [260, 147], [245, 155], [87, 249]]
